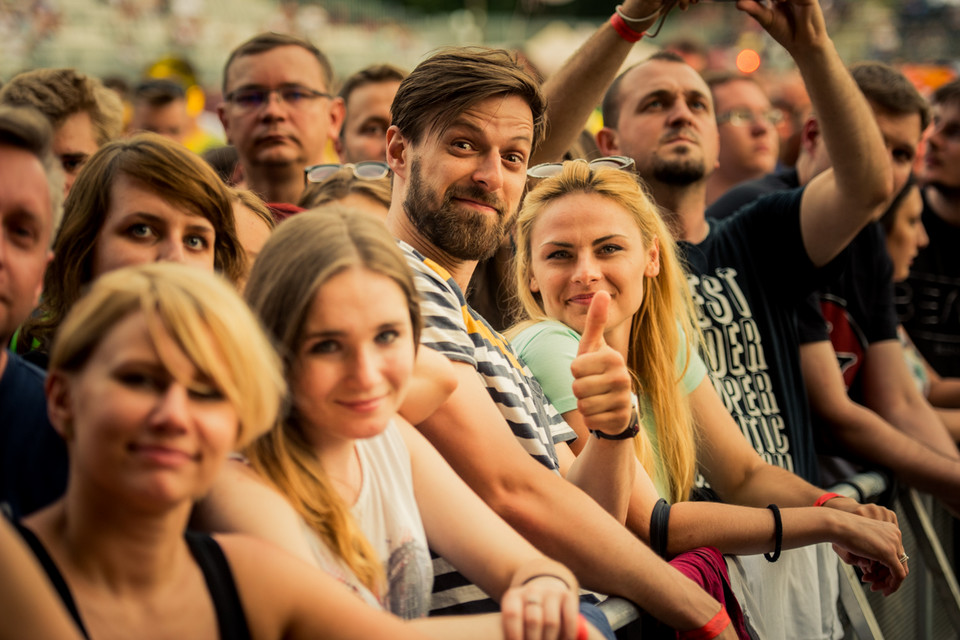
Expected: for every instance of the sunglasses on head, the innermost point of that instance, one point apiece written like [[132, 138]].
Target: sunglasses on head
[[369, 170], [550, 169]]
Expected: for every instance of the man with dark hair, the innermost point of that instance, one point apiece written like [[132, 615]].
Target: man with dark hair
[[160, 106], [929, 301], [33, 462], [84, 114], [465, 123], [367, 96], [747, 123], [279, 112]]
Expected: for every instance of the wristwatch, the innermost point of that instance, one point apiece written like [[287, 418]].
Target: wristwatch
[[633, 428]]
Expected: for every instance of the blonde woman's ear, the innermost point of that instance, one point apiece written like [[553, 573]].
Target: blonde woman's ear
[[59, 407], [533, 285], [653, 264]]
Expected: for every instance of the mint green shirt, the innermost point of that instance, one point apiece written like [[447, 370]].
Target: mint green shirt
[[549, 348]]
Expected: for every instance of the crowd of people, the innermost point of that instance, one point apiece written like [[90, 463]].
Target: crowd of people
[[487, 370]]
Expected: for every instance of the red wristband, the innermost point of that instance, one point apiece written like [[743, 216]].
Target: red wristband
[[583, 632], [823, 499], [710, 630], [624, 30]]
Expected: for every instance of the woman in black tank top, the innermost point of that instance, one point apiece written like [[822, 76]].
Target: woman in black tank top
[[155, 376]]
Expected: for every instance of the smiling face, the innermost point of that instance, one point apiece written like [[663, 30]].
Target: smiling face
[[463, 185], [584, 243], [142, 227], [355, 358], [666, 124], [140, 421], [276, 133]]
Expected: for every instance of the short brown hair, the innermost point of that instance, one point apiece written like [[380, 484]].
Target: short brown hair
[[452, 80], [60, 93], [269, 41], [374, 74], [26, 129], [947, 94], [161, 165], [890, 91]]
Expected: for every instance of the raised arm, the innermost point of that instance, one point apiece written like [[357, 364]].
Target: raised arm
[[578, 86], [837, 203], [559, 519]]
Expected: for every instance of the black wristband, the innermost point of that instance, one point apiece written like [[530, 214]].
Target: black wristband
[[633, 428], [777, 534], [660, 527]]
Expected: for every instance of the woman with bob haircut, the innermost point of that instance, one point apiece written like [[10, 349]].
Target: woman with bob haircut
[[586, 236], [342, 481], [137, 200], [155, 376]]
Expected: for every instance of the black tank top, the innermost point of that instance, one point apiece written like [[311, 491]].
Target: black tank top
[[209, 556]]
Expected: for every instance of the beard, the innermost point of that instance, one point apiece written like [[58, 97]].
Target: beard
[[677, 171], [462, 233]]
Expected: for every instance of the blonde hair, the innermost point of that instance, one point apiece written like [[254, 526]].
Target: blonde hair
[[302, 254], [660, 327], [203, 315]]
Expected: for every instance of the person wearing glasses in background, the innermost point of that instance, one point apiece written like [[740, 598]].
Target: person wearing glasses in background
[[364, 186], [747, 122], [279, 113]]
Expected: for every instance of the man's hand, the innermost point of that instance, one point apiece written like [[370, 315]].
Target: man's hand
[[795, 24], [602, 383]]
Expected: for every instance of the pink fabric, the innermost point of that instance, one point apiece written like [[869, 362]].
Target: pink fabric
[[706, 567]]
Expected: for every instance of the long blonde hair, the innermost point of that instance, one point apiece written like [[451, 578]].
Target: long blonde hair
[[660, 327], [302, 254]]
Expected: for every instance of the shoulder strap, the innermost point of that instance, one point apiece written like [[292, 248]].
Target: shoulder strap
[[53, 573], [223, 590]]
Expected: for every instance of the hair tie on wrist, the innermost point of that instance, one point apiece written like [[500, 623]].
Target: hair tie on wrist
[[624, 30], [710, 630], [660, 527], [777, 534], [545, 575], [823, 499]]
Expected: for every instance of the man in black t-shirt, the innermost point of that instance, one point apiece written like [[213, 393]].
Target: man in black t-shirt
[[33, 463], [929, 301]]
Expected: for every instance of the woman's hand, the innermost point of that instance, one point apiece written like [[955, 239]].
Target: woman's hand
[[601, 383], [876, 547], [542, 608]]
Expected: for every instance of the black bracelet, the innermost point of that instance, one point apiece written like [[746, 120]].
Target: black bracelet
[[633, 428], [777, 534], [660, 527]]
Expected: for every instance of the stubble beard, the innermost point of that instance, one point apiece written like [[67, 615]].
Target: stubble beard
[[462, 233], [679, 172]]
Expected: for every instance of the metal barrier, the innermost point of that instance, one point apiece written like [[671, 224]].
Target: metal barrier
[[865, 487]]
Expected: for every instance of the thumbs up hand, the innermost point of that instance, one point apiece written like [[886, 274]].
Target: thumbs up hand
[[601, 383]]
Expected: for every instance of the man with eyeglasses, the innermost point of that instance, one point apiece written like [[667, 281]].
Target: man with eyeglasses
[[747, 122], [278, 112]]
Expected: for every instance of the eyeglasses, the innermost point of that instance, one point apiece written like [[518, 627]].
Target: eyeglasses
[[747, 118], [369, 170], [292, 96], [550, 169]]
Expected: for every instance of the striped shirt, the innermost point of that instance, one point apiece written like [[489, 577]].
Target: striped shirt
[[462, 335]]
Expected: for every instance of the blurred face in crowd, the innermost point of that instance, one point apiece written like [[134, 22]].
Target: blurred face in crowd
[[292, 124], [463, 184], [666, 124], [26, 224], [901, 135], [367, 119], [74, 142], [906, 236], [749, 143], [142, 227], [941, 161], [169, 120]]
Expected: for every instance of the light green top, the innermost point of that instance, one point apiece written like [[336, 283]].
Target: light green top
[[549, 348]]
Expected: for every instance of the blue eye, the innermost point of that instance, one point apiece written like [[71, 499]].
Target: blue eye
[[387, 337], [140, 230], [323, 347]]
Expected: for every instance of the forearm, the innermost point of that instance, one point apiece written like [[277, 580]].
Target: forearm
[[945, 393], [605, 470], [918, 420], [578, 87], [951, 420]]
